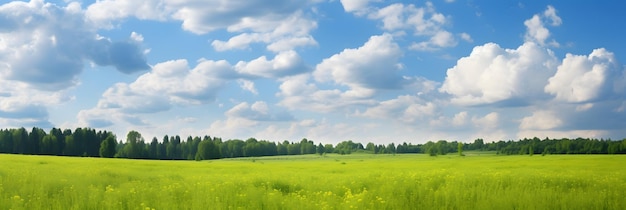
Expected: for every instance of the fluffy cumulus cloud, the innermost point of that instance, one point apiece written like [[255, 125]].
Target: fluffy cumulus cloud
[[21, 105], [493, 93], [581, 79], [285, 63], [174, 83], [43, 50], [281, 25], [300, 93], [45, 45], [169, 83], [371, 66], [441, 39], [535, 26], [278, 32], [494, 75], [197, 17], [357, 75], [421, 21], [406, 108], [540, 120]]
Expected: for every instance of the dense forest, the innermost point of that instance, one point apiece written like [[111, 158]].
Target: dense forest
[[91, 143]]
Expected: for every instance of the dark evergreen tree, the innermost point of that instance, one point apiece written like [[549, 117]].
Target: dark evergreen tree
[[320, 149]]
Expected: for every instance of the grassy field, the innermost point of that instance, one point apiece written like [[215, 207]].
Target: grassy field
[[358, 181]]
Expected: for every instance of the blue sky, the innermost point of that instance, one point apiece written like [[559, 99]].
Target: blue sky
[[362, 70]]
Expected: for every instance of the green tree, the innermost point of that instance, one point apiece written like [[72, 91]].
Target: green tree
[[430, 148], [371, 147], [281, 148], [320, 149], [460, 148], [20, 140], [152, 148], [34, 141], [48, 145], [328, 148], [6, 141], [108, 146], [134, 146], [478, 144], [442, 147], [207, 150], [293, 149], [391, 148], [307, 147]]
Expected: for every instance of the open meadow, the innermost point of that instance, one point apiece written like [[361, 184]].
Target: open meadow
[[357, 181]]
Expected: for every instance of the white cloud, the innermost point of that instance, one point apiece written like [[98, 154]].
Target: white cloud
[[169, 84], [248, 86], [488, 122], [404, 108], [491, 74], [279, 32], [197, 17], [360, 74], [281, 25], [590, 78], [466, 126], [284, 64], [392, 17], [550, 13], [466, 37], [136, 37], [371, 66], [540, 120], [441, 39], [257, 120], [208, 16], [289, 43], [422, 20], [535, 29], [103, 13], [426, 20], [197, 85], [298, 93], [398, 18], [356, 6], [45, 46], [258, 111], [460, 119]]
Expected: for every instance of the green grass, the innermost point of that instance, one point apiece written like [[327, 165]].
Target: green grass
[[358, 181]]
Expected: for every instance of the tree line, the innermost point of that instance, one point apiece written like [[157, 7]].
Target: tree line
[[91, 143]]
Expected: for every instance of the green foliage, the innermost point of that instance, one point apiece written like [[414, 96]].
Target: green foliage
[[320, 149], [90, 143], [134, 147], [107, 147], [357, 181], [207, 150]]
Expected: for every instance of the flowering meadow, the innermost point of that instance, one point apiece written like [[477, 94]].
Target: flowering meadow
[[356, 181]]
